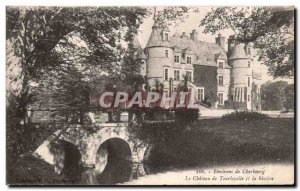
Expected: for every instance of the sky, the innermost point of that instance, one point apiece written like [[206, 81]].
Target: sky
[[190, 23]]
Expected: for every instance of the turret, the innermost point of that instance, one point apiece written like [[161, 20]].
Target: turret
[[241, 77], [159, 56]]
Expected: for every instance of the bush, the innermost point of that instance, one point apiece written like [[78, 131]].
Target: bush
[[244, 116], [186, 115]]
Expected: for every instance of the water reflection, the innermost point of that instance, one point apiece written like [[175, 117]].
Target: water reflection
[[117, 171]]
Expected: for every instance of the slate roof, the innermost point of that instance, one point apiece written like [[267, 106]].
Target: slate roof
[[205, 52], [238, 51]]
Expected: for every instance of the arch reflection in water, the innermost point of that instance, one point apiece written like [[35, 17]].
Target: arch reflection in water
[[67, 159], [113, 162]]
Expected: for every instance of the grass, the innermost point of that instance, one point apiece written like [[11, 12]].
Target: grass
[[244, 116], [212, 142]]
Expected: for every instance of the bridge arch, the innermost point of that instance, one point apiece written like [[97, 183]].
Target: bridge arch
[[90, 143], [113, 161], [96, 140], [66, 157], [111, 150]]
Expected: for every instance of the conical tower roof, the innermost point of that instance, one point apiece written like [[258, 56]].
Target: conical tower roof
[[238, 52], [155, 39]]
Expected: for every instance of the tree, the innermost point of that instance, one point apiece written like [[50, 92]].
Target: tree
[[59, 52], [210, 99], [34, 33], [69, 50], [289, 102], [270, 29], [273, 96]]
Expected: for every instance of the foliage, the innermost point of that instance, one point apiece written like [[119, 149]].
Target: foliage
[[289, 102], [210, 99], [184, 83], [255, 97], [244, 116], [42, 39], [274, 96], [159, 87], [54, 54], [186, 116], [132, 63], [58, 56], [270, 29], [166, 16]]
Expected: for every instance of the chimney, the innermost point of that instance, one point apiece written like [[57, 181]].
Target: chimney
[[230, 44], [220, 41], [194, 35], [184, 35]]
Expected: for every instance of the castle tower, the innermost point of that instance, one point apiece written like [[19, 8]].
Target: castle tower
[[159, 58], [241, 81]]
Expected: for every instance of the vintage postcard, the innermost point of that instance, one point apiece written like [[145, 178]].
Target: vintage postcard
[[150, 95]]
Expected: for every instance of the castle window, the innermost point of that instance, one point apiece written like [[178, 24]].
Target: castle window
[[166, 53], [220, 81], [249, 98], [189, 74], [221, 65], [249, 64], [231, 96], [166, 36], [176, 75], [188, 60], [200, 94], [220, 98], [176, 59], [166, 74], [249, 82]]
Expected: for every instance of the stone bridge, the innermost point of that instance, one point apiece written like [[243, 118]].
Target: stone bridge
[[91, 146]]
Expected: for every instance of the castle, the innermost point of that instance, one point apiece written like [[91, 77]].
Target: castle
[[231, 77]]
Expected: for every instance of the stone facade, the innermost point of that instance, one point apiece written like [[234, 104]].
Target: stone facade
[[210, 67]]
